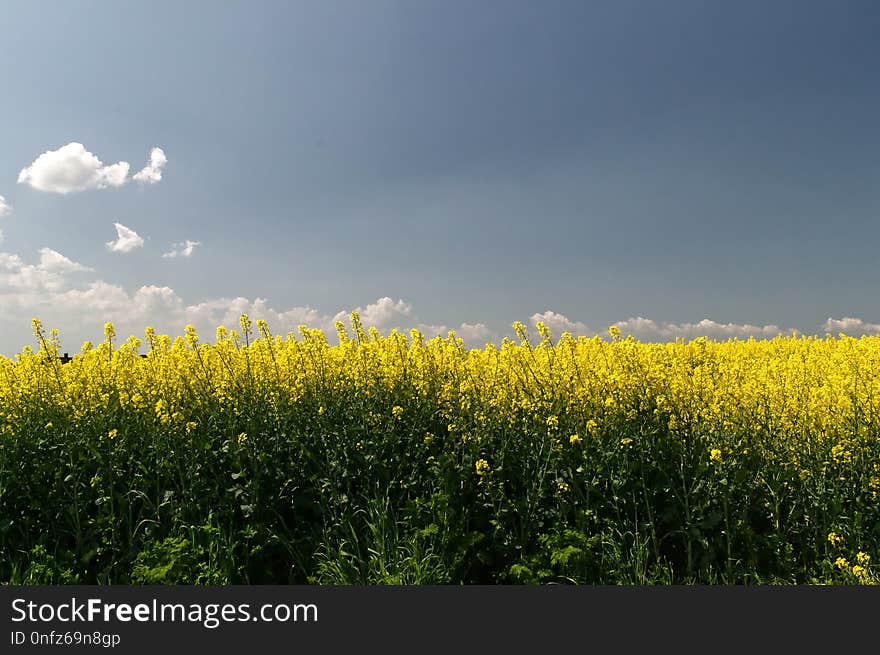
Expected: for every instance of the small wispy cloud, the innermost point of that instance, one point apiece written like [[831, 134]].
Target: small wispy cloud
[[5, 207], [126, 239], [152, 172], [182, 249]]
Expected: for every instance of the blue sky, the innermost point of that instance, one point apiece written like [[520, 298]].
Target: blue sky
[[679, 168]]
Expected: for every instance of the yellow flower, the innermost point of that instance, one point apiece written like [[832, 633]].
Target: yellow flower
[[112, 434], [715, 455], [562, 487], [482, 467], [109, 331], [242, 438], [574, 440], [614, 331], [625, 441], [841, 455], [397, 411], [841, 563], [863, 558], [192, 339], [860, 572], [245, 322], [834, 539]]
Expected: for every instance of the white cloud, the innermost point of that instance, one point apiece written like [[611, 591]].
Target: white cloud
[[646, 329], [50, 274], [126, 239], [5, 208], [147, 304], [650, 330], [384, 313], [433, 330], [152, 172], [851, 326], [473, 334], [182, 249], [559, 323], [54, 262], [226, 311], [72, 168], [79, 311]]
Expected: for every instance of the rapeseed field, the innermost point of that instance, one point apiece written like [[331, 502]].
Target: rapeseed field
[[377, 459]]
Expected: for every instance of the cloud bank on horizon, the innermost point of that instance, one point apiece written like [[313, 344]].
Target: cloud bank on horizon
[[52, 289]]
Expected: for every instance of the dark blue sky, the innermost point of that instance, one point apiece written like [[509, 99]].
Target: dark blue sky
[[481, 161]]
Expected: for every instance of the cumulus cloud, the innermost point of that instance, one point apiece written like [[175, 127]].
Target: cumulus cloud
[[126, 239], [5, 208], [149, 303], [182, 249], [72, 168], [384, 313], [558, 323], [475, 333], [152, 172], [53, 261], [854, 327], [50, 274]]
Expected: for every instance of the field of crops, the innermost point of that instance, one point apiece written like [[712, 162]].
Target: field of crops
[[392, 459]]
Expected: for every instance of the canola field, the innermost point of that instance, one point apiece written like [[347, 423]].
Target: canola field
[[392, 459]]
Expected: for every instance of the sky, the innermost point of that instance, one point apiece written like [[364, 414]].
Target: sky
[[677, 169]]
